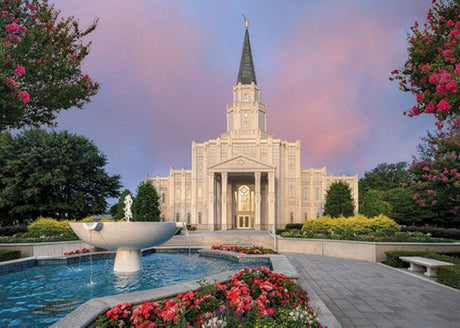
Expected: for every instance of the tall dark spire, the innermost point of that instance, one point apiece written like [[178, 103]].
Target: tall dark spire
[[247, 73]]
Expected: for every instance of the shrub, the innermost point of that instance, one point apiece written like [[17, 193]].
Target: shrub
[[449, 275], [9, 254], [352, 226], [294, 226], [394, 261], [280, 231], [437, 232], [49, 227], [12, 230], [455, 254]]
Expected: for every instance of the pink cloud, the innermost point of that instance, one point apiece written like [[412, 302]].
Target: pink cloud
[[328, 80]]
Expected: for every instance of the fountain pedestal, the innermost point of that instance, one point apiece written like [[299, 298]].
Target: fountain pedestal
[[128, 238], [128, 260]]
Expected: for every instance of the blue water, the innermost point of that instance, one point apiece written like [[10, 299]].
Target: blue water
[[41, 295]]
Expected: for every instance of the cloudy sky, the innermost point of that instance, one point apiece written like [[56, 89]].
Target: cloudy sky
[[167, 68]]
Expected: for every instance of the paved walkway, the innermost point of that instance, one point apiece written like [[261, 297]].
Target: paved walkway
[[367, 294]]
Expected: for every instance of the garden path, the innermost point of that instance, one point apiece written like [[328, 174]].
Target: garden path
[[367, 294]]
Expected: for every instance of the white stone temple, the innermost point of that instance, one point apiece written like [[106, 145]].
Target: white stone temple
[[246, 178]]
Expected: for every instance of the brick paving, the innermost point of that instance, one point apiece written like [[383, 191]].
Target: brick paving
[[367, 294]]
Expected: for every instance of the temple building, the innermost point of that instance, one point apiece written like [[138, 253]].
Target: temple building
[[246, 178]]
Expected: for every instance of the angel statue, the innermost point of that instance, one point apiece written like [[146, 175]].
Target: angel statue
[[128, 202]]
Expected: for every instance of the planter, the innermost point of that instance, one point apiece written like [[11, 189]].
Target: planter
[[356, 250]]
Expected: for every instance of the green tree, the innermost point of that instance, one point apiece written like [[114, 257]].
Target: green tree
[[405, 209], [339, 200], [41, 55], [59, 175], [146, 204], [120, 206], [372, 204], [383, 177]]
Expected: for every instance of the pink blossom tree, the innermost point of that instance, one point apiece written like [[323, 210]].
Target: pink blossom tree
[[40, 63], [432, 71], [436, 175]]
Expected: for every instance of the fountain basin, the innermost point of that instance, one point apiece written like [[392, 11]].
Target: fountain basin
[[128, 238]]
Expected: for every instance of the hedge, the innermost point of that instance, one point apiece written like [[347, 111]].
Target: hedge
[[11, 230], [449, 275], [9, 254], [394, 261], [436, 232], [290, 226]]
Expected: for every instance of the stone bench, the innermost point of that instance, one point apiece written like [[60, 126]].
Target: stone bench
[[418, 264]]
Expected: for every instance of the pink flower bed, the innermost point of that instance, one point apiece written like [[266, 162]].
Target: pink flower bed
[[85, 250], [253, 298], [245, 250]]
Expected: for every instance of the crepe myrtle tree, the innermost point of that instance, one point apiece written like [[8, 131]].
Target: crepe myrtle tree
[[436, 176], [432, 71], [41, 54]]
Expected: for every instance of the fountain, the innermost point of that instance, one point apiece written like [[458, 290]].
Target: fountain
[[127, 238]]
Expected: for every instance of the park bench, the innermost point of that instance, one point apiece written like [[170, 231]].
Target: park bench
[[418, 264]]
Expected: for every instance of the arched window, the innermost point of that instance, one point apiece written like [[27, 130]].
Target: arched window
[[188, 218], [291, 217], [199, 217], [177, 217]]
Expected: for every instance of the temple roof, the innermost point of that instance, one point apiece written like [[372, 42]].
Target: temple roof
[[247, 73]]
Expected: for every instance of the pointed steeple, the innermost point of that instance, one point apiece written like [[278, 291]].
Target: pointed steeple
[[247, 73]]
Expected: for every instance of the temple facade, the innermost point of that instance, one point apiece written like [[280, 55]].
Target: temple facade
[[246, 178]]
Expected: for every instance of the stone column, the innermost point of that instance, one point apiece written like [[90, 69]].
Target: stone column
[[224, 200], [257, 200], [271, 199], [211, 201]]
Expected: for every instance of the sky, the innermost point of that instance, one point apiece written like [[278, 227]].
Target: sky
[[167, 70]]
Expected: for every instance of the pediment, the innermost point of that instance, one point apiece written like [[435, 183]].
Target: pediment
[[241, 163]]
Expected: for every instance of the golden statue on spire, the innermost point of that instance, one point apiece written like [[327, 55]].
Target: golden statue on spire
[[246, 22]]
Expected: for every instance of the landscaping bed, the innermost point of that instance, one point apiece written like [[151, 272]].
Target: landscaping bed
[[42, 230], [253, 298], [357, 228], [255, 250], [447, 275]]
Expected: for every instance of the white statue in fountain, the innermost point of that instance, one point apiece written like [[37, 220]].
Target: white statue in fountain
[[128, 238], [128, 202]]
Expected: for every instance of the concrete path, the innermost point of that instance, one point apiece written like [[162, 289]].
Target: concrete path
[[367, 294]]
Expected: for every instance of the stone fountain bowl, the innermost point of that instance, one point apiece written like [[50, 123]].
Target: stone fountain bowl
[[128, 238], [128, 235]]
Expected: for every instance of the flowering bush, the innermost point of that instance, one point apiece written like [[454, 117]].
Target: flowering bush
[[253, 298], [353, 226], [432, 72], [40, 63], [85, 250], [436, 176], [245, 250]]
